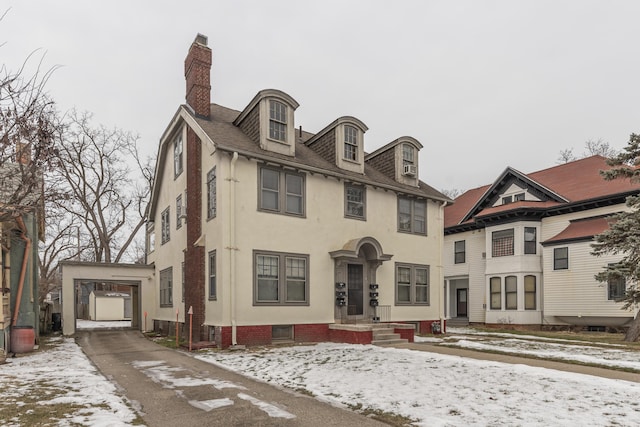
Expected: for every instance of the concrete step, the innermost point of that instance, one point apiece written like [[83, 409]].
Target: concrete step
[[386, 336], [378, 331], [389, 342]]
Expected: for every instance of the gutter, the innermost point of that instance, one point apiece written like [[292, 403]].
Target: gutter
[[232, 246], [441, 244]]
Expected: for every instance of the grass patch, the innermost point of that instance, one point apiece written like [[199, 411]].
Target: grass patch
[[388, 418]]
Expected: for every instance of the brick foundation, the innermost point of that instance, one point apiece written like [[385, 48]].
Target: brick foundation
[[350, 337]]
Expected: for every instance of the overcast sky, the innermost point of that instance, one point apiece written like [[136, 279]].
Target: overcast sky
[[481, 84]]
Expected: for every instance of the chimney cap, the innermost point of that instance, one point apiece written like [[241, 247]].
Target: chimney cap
[[201, 39]]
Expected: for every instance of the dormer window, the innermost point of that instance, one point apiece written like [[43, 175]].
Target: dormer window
[[407, 154], [277, 121], [350, 143]]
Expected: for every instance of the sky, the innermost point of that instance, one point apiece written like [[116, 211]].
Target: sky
[[483, 85], [431, 388]]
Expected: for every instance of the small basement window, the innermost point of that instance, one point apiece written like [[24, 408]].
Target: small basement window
[[282, 332]]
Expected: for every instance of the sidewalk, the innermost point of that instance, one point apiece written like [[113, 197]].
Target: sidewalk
[[560, 366]]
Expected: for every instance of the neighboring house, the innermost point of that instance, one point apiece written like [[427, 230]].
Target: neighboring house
[[268, 232], [109, 305], [518, 251]]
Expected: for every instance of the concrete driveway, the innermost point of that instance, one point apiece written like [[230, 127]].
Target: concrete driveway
[[169, 387]]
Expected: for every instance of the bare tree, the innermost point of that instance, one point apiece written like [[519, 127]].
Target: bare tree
[[452, 193], [105, 185], [600, 148], [567, 156]]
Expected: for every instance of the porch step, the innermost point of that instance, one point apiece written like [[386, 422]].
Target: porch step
[[458, 321], [385, 336]]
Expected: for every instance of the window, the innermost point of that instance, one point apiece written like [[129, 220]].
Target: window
[[166, 226], [412, 216], [496, 291], [561, 259], [530, 241], [518, 197], [511, 292], [179, 211], [212, 276], [211, 193], [506, 200], [354, 201], [502, 243], [177, 155], [412, 284], [350, 143], [529, 292], [183, 273], [459, 252], [281, 279], [277, 121], [272, 198], [282, 332], [166, 287], [407, 154], [616, 286]]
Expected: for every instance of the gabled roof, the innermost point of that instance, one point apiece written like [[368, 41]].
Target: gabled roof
[[220, 131], [569, 184]]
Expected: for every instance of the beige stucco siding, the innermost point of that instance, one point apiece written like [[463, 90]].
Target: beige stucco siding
[[323, 229]]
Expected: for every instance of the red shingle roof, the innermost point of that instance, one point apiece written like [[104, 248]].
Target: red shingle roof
[[579, 229]]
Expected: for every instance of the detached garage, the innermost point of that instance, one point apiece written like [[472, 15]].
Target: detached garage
[[109, 305]]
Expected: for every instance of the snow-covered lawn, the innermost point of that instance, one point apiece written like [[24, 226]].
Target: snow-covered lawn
[[440, 390], [59, 386], [102, 324]]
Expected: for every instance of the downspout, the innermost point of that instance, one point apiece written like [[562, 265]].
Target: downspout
[[232, 247], [23, 269], [441, 281]]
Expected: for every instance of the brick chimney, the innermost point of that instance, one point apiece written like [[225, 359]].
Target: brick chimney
[[197, 73]]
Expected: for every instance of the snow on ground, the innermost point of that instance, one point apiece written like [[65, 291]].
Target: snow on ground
[[70, 378], [102, 324], [440, 390]]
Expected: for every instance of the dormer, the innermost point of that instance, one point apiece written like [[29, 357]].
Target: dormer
[[398, 160], [269, 121], [342, 143]]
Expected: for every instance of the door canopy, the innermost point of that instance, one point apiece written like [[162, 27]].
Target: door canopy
[[366, 247]]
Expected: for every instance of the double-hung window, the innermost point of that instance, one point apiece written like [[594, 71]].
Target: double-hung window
[[502, 243], [281, 191], [511, 292], [529, 292], [459, 252], [350, 143], [355, 201], [166, 287], [166, 225], [412, 215], [412, 284], [182, 274], [177, 155], [179, 211], [561, 258], [616, 286], [407, 154], [530, 241], [212, 276], [281, 278], [277, 121], [211, 193], [495, 291]]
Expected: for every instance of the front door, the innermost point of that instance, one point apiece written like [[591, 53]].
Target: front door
[[461, 298], [355, 295]]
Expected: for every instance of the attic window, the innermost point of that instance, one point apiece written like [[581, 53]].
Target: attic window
[[351, 143], [277, 121], [506, 200], [407, 154], [518, 197]]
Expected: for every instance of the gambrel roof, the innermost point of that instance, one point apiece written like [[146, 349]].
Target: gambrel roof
[[576, 185]]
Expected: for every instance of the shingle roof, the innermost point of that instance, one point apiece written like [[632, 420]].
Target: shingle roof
[[228, 137], [576, 181], [580, 229]]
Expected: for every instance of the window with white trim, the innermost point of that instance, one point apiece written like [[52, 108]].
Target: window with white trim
[[350, 143], [561, 258], [166, 225], [281, 278], [459, 252], [412, 215], [511, 292], [408, 154], [502, 243], [616, 286], [179, 211], [166, 287], [530, 292], [277, 121], [177, 155], [211, 193], [212, 276], [412, 284], [281, 191], [495, 291], [530, 240]]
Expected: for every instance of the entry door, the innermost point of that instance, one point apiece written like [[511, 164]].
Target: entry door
[[461, 297], [355, 299]]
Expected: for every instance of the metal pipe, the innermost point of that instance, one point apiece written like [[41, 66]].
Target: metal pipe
[[232, 246]]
